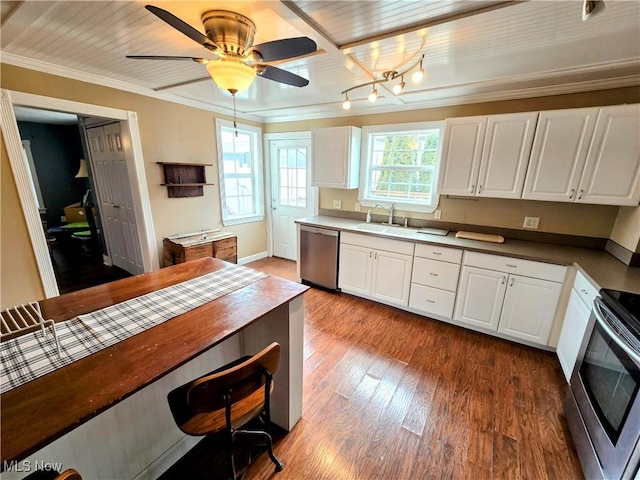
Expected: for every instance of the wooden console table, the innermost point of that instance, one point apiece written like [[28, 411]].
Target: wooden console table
[[77, 412], [225, 249]]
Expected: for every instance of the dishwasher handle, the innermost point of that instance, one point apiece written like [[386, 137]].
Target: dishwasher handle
[[321, 231]]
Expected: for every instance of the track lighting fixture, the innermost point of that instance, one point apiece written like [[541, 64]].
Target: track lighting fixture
[[591, 8], [347, 103], [397, 89], [418, 75]]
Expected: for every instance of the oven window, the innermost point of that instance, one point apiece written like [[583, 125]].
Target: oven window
[[611, 380]]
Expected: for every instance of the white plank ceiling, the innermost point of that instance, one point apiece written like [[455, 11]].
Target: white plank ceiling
[[474, 50]]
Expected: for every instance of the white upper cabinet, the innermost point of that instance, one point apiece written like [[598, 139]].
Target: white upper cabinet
[[505, 154], [559, 153], [336, 157], [461, 154], [612, 171], [486, 156]]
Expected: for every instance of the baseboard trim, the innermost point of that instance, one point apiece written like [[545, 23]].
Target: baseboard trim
[[252, 258], [168, 458]]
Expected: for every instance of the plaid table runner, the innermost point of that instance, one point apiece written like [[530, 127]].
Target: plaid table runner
[[30, 356]]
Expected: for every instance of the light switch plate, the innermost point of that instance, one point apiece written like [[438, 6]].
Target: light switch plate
[[357, 206], [337, 204], [437, 214]]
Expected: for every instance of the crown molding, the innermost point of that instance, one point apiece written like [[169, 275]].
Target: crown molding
[[45, 67]]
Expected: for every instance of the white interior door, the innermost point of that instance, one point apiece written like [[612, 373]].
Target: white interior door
[[109, 167], [291, 193]]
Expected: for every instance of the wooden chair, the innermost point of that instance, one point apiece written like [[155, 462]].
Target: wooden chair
[[224, 400], [69, 474]]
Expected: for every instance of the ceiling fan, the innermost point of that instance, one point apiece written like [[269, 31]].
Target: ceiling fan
[[235, 60]]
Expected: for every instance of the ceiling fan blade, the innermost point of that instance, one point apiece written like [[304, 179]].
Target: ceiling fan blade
[[182, 27], [160, 57], [278, 75], [285, 48]]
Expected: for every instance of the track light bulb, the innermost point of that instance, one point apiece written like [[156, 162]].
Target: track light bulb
[[418, 75], [373, 95], [346, 105], [398, 87]]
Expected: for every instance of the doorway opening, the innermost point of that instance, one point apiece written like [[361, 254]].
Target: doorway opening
[[64, 186], [122, 213]]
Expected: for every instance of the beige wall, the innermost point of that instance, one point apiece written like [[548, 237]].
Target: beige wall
[[169, 132], [19, 277], [573, 219], [626, 231]]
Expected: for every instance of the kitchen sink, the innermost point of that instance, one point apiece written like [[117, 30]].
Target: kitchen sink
[[386, 229]]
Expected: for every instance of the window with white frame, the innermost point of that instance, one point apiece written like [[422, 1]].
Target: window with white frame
[[400, 165], [240, 171]]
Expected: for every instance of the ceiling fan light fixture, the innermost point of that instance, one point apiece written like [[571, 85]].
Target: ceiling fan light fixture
[[231, 75], [373, 95]]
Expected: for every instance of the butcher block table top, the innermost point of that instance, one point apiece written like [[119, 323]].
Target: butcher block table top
[[38, 412]]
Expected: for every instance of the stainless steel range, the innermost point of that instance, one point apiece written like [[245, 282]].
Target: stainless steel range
[[603, 404]]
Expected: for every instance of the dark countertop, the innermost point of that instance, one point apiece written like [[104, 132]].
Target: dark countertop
[[603, 269]]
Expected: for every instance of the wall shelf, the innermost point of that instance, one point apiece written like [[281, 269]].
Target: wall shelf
[[184, 179]]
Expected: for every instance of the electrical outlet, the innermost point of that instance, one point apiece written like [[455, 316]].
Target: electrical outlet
[[531, 222], [437, 214], [63, 218], [357, 206], [337, 204]]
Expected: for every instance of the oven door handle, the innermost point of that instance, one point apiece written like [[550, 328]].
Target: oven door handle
[[597, 310]]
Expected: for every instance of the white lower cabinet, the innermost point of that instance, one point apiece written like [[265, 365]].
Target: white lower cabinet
[[575, 323], [518, 306], [382, 273]]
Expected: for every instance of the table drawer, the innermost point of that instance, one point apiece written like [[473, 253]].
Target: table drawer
[[432, 300], [443, 254], [436, 274]]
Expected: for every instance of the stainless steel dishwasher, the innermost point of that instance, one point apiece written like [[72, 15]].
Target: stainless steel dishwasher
[[319, 256]]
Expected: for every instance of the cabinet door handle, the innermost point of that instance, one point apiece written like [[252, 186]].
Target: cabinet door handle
[[479, 189], [513, 280], [580, 194], [430, 301], [375, 255], [511, 265], [370, 253], [433, 274], [502, 280], [437, 253], [573, 190], [472, 189], [584, 291]]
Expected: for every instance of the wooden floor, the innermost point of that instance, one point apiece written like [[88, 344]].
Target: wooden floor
[[392, 395]]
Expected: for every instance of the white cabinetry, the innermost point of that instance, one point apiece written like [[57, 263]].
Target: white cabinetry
[[375, 268], [586, 155], [575, 323], [336, 157], [486, 156], [434, 280], [515, 297], [612, 171], [559, 153]]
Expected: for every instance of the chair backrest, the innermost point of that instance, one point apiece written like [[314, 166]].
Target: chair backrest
[[69, 474], [240, 381]]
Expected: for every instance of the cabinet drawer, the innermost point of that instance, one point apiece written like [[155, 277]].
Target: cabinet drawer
[[436, 274], [527, 268], [432, 300], [585, 289], [438, 253], [377, 243]]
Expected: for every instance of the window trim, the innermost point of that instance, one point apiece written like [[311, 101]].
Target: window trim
[[257, 169], [365, 165]]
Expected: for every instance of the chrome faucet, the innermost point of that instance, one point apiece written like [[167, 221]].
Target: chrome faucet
[[389, 210]]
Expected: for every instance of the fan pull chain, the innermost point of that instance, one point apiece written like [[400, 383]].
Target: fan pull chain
[[235, 123]]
